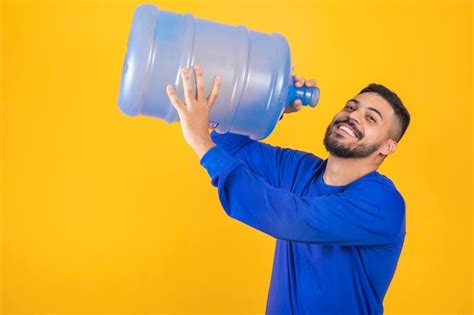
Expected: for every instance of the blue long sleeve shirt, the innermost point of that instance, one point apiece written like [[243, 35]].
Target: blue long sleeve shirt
[[337, 247]]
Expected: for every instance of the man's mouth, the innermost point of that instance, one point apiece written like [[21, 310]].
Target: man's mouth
[[348, 130]]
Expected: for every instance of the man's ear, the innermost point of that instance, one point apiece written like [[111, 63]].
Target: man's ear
[[389, 147]]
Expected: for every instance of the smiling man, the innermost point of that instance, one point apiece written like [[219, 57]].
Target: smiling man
[[339, 224]]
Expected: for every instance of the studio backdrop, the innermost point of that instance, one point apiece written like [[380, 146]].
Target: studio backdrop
[[102, 213]]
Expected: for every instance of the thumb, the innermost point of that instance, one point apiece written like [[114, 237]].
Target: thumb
[[175, 101]]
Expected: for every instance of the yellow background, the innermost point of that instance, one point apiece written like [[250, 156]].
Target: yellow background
[[105, 213]]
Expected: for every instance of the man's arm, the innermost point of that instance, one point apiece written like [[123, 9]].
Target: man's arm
[[367, 213], [274, 164]]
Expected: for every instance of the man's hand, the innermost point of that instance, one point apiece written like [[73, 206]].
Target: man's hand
[[299, 82], [194, 113]]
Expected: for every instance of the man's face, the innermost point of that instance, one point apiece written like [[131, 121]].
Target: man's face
[[361, 128]]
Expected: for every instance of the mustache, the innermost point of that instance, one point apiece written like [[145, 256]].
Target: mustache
[[349, 122]]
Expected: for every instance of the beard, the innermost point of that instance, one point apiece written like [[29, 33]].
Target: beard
[[347, 150]]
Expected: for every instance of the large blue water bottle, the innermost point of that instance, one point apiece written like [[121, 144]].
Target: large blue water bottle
[[257, 84]]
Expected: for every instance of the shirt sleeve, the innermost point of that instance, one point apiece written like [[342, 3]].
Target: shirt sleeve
[[369, 212], [277, 166]]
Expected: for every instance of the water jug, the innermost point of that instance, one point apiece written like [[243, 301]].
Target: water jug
[[255, 68]]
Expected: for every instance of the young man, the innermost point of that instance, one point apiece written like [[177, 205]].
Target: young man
[[339, 224]]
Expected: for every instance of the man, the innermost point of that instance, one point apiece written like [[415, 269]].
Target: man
[[339, 224]]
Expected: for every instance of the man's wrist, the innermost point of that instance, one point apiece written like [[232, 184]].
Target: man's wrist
[[201, 147]]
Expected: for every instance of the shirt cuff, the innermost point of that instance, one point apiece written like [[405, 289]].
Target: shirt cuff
[[216, 159]]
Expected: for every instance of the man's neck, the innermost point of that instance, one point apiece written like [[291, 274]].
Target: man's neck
[[342, 171]]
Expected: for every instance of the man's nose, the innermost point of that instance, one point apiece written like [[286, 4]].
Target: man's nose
[[354, 116]]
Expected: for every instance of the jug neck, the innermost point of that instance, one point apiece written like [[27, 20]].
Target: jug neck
[[307, 95]]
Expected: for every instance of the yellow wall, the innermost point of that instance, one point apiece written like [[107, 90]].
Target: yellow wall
[[103, 213]]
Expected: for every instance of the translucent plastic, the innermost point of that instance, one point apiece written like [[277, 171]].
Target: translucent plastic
[[255, 70]]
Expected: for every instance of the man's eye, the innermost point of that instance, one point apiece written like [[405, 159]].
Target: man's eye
[[349, 107], [371, 118]]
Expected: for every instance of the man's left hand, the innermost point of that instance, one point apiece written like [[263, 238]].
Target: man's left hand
[[194, 113]]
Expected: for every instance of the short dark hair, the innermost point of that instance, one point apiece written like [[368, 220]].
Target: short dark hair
[[400, 110]]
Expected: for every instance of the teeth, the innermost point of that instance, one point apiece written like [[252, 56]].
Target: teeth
[[348, 130]]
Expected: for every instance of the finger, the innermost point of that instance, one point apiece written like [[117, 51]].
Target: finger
[[188, 88], [299, 82], [177, 103], [294, 107], [215, 91], [199, 83], [310, 83], [297, 103]]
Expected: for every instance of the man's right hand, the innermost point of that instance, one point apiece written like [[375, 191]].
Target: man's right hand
[[297, 104]]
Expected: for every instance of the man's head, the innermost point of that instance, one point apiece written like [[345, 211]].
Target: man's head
[[369, 125]]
